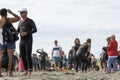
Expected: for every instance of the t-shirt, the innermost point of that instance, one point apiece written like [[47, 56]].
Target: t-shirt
[[56, 51]]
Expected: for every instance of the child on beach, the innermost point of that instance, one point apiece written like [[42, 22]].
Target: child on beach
[[64, 63], [35, 62]]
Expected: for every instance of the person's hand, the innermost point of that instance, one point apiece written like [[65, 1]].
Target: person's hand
[[9, 11], [23, 34]]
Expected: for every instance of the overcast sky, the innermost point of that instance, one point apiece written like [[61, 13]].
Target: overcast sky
[[65, 20]]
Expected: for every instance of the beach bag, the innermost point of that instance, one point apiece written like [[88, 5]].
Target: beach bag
[[20, 65], [5, 59], [10, 34]]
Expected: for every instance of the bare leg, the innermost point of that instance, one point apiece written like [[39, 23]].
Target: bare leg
[[29, 72], [1, 54], [10, 64]]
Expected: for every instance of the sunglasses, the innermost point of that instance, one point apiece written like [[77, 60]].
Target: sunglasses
[[22, 12]]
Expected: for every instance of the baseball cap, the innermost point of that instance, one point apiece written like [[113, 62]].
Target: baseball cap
[[22, 10]]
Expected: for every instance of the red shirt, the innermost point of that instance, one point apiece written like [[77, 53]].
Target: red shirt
[[112, 48]]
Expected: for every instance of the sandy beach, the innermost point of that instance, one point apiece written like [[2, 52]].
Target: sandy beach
[[96, 75]]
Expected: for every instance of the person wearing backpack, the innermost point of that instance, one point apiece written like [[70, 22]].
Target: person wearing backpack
[[83, 52], [103, 58], [4, 41]]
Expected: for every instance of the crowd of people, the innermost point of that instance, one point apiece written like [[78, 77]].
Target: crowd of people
[[80, 58], [110, 56], [9, 35]]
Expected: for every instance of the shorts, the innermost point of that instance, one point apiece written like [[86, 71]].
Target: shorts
[[64, 65], [56, 59], [7, 46]]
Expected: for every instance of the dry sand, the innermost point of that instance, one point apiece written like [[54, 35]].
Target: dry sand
[[96, 75]]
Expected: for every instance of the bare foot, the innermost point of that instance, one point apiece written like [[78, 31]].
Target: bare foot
[[26, 73], [29, 73], [1, 75], [10, 74]]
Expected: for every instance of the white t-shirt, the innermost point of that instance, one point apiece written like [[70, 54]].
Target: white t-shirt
[[56, 51], [1, 36]]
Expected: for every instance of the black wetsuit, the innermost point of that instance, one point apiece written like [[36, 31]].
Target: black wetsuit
[[76, 60], [70, 58], [26, 42], [83, 57], [43, 59]]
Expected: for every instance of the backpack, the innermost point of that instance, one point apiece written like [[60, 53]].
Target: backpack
[[105, 56], [82, 50], [10, 34]]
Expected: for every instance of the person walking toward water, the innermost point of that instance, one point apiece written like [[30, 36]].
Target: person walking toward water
[[5, 44], [26, 28], [83, 52]]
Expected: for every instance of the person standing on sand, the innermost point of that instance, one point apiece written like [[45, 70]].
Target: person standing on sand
[[70, 58], [84, 52], [64, 63], [112, 54], [61, 58], [35, 62], [43, 59], [5, 44], [103, 59], [75, 57], [26, 28], [56, 52]]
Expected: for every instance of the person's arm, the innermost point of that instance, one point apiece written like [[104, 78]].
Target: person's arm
[[69, 54], [34, 29], [13, 19], [18, 29], [110, 46], [88, 50], [38, 51], [89, 47], [52, 54]]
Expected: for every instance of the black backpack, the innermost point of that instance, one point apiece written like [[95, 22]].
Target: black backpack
[[10, 34], [82, 50], [105, 56]]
